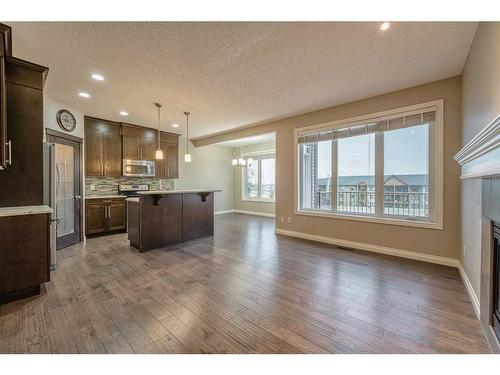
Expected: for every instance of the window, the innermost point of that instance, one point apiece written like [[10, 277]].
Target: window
[[259, 177], [383, 167]]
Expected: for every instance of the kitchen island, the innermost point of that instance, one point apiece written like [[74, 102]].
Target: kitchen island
[[162, 218]]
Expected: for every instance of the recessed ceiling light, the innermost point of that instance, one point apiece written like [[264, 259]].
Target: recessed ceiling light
[[175, 125], [385, 26], [97, 77], [123, 113], [84, 94]]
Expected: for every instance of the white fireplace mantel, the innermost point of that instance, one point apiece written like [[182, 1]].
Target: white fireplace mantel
[[481, 156]]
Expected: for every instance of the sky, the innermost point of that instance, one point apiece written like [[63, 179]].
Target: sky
[[405, 152]]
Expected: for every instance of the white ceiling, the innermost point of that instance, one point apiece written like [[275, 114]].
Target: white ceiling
[[235, 74], [254, 140]]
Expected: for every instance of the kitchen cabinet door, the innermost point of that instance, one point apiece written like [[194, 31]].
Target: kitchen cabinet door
[[3, 117], [112, 152], [172, 152], [95, 218], [117, 215], [102, 148], [93, 152], [148, 144], [24, 251], [131, 142], [161, 165]]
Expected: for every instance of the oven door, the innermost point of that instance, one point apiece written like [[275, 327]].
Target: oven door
[[138, 168]]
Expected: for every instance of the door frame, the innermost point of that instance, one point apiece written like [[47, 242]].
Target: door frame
[[50, 135]]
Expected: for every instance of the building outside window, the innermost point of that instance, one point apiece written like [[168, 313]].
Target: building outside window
[[386, 166], [259, 177]]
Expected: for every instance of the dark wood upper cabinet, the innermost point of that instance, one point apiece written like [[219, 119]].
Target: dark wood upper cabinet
[[103, 151], [21, 183], [5, 50], [107, 143], [3, 117], [169, 166], [138, 143]]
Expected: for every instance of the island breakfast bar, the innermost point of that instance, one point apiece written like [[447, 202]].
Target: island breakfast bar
[[161, 218]]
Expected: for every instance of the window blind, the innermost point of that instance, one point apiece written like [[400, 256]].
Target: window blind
[[260, 156], [367, 127]]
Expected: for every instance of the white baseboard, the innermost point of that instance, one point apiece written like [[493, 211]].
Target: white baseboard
[[255, 213], [470, 290], [373, 248], [223, 212]]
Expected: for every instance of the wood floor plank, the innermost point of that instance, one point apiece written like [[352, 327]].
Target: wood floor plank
[[245, 290]]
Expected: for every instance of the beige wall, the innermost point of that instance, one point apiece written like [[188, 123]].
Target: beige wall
[[50, 108], [480, 105], [211, 168], [444, 242], [239, 203]]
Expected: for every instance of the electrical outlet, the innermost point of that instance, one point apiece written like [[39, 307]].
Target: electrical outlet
[[289, 219], [92, 187]]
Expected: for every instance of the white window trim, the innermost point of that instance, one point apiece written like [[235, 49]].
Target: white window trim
[[437, 173], [244, 197]]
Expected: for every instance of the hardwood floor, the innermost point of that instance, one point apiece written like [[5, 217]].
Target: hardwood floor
[[245, 290]]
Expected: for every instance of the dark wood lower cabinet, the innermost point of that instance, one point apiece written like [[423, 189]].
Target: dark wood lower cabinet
[[159, 220], [105, 215], [197, 215], [24, 255]]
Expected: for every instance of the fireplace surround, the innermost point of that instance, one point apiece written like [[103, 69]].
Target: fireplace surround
[[480, 159], [490, 261], [496, 281]]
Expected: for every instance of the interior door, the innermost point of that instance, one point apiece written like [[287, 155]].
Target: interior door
[[68, 191]]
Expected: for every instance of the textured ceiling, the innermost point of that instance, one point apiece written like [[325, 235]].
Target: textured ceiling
[[235, 74]]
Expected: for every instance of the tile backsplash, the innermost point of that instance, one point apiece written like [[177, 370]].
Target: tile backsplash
[[109, 185]]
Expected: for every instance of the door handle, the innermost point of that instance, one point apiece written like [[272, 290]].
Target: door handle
[[9, 144], [78, 197]]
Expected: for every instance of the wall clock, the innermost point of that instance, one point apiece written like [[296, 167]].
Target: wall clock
[[66, 120]]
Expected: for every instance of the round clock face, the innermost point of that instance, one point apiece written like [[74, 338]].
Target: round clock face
[[66, 120]]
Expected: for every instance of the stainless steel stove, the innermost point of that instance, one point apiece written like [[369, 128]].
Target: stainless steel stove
[[132, 190]]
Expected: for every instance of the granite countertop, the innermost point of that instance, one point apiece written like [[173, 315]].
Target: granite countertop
[[24, 210], [179, 191], [110, 196]]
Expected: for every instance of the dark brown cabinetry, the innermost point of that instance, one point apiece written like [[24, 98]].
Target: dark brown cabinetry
[[105, 215], [21, 183], [3, 117], [103, 149], [168, 167], [138, 143], [24, 255], [5, 41]]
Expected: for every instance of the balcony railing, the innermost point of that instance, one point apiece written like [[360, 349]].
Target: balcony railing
[[395, 203]]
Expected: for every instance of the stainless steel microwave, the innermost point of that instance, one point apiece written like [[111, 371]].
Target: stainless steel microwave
[[138, 168]]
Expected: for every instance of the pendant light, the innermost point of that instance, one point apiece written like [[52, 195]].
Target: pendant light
[[159, 152], [187, 156], [238, 162]]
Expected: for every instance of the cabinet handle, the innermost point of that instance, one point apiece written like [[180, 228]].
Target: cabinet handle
[[9, 144]]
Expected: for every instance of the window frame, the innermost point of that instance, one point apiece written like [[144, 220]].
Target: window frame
[[436, 157], [244, 196]]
